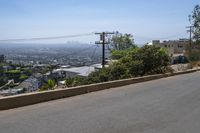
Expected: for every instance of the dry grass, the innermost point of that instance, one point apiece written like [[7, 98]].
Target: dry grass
[[195, 64]]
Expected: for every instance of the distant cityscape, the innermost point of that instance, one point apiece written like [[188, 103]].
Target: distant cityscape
[[68, 54], [28, 67]]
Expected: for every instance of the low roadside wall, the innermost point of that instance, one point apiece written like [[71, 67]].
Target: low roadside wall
[[38, 97]]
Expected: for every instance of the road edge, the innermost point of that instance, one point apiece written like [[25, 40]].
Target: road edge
[[39, 97]]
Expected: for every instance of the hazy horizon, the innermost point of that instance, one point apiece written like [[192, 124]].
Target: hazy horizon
[[146, 20]]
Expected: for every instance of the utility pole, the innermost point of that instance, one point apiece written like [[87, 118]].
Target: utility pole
[[190, 40], [190, 31], [103, 42]]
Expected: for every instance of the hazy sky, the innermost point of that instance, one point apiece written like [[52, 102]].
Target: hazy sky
[[145, 19]]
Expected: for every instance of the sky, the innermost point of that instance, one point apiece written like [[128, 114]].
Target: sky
[[145, 19]]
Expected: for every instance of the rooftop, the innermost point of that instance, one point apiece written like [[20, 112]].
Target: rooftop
[[81, 71]]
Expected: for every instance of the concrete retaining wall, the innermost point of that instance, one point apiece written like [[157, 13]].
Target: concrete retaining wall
[[33, 98]]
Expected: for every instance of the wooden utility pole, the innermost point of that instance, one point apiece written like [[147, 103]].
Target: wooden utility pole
[[190, 40], [103, 42], [190, 31]]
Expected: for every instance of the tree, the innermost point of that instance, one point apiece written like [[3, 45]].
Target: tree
[[51, 84], [118, 54], [14, 74], [102, 75], [75, 81], [45, 87], [193, 53], [118, 71], [134, 63], [134, 67], [145, 60], [23, 77], [195, 20], [122, 42], [155, 59]]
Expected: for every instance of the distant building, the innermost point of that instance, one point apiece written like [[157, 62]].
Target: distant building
[[64, 72], [38, 76], [65, 66], [73, 72], [2, 58], [175, 48], [30, 85]]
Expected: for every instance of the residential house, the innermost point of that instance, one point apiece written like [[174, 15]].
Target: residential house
[[30, 85]]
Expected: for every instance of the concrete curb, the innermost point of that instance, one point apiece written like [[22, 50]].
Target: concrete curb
[[38, 97]]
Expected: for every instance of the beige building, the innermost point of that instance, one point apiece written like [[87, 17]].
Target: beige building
[[174, 47]]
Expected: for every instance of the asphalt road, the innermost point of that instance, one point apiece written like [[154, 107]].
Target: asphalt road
[[170, 105]]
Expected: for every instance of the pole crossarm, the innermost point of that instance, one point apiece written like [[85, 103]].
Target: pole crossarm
[[103, 42]]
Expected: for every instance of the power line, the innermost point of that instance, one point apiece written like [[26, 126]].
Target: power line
[[92, 56], [46, 38], [80, 51]]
